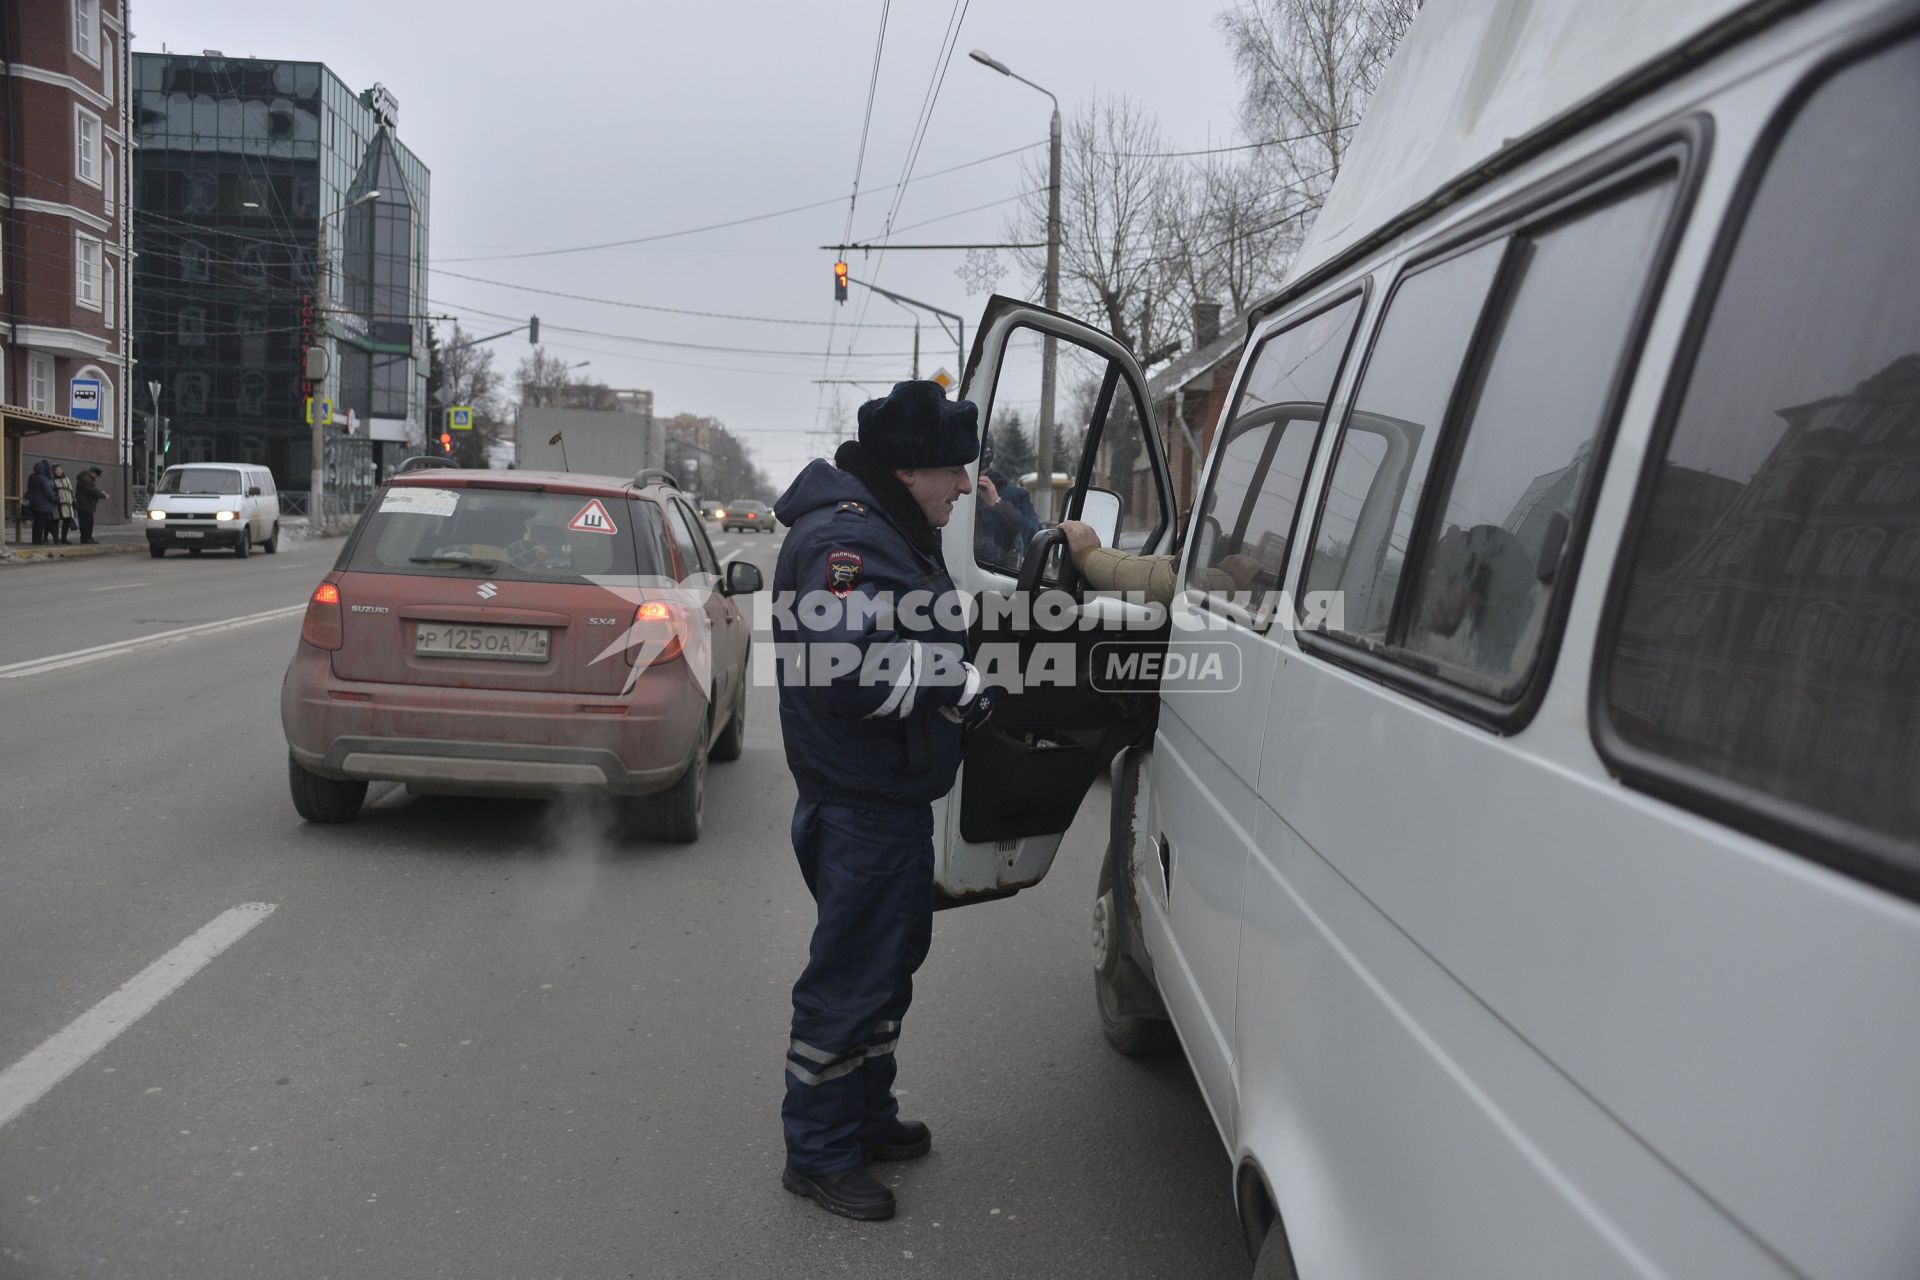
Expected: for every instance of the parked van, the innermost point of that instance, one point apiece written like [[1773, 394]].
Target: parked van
[[214, 504], [1536, 889]]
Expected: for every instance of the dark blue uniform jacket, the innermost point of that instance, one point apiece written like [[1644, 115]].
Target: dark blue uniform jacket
[[872, 737]]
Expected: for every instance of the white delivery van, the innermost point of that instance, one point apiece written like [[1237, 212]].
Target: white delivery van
[[197, 505], [1550, 906]]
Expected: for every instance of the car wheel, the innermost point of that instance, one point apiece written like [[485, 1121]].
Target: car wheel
[[1116, 976], [319, 799], [156, 552], [676, 813], [733, 739], [272, 544], [243, 548]]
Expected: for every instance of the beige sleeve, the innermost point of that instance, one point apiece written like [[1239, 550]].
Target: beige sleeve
[[1107, 569]]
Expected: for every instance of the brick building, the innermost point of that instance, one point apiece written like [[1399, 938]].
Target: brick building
[[1189, 395], [64, 244]]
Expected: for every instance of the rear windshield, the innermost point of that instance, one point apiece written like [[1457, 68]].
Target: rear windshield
[[200, 480], [510, 534]]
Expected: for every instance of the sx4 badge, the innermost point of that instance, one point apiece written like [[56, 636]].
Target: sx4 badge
[[843, 572]]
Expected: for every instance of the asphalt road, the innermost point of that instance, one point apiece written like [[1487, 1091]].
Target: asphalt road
[[480, 1039]]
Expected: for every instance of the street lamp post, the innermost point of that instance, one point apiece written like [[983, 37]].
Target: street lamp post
[[1049, 357], [317, 486]]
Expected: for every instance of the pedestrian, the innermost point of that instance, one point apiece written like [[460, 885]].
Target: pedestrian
[[63, 497], [870, 745], [1005, 521], [43, 501], [87, 497]]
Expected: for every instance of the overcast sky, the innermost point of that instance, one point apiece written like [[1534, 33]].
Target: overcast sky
[[569, 123]]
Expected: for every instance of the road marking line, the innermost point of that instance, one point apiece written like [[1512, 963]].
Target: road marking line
[[26, 1081], [38, 666], [123, 586]]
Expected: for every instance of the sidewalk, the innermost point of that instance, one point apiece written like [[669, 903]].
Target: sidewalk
[[129, 538]]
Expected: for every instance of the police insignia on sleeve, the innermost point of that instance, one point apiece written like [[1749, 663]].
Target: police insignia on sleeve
[[843, 572]]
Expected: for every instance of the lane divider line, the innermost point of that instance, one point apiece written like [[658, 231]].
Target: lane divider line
[[79, 657], [118, 586], [28, 1080]]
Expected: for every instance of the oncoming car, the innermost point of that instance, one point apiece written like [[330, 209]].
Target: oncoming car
[[515, 633], [747, 516]]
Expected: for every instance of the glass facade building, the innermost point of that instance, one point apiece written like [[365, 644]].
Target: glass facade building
[[275, 211]]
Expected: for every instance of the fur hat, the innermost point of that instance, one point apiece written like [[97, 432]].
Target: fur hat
[[915, 425]]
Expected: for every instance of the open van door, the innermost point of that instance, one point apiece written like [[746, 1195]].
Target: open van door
[[1071, 670]]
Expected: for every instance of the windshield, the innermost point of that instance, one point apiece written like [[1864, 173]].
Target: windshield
[[200, 480], [506, 533]]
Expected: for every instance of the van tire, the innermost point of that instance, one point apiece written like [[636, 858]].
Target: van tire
[[272, 544], [1119, 987], [733, 739], [157, 552], [319, 799], [1276, 1259], [243, 548], [675, 814]]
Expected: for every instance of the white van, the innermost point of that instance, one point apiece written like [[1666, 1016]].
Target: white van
[[1551, 907], [214, 504]]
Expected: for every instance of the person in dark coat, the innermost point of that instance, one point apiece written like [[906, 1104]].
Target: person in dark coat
[[873, 702], [43, 502], [87, 496], [1004, 518], [63, 498]]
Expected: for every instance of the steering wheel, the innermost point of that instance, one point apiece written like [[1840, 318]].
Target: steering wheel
[[1038, 549]]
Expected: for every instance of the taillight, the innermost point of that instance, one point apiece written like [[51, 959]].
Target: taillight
[[659, 633], [321, 629]]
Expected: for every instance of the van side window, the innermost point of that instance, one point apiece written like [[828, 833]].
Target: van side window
[[1388, 444], [1265, 450], [1493, 555], [1764, 657]]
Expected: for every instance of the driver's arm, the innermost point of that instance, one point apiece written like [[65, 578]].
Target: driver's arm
[[1108, 569]]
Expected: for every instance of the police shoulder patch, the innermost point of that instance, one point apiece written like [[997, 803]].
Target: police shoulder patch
[[850, 505], [843, 571]]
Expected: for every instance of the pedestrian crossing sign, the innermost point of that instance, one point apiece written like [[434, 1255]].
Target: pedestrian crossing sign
[[320, 411], [593, 518], [460, 418]]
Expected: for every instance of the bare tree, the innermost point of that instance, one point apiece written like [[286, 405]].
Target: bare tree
[[1112, 198], [463, 374], [1308, 69], [548, 381]]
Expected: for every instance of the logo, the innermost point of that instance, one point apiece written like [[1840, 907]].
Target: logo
[[843, 572], [603, 622], [369, 608], [1151, 666], [487, 591]]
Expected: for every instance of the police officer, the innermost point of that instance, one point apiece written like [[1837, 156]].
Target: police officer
[[875, 693]]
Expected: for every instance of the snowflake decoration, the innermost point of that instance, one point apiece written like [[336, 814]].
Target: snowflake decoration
[[981, 270]]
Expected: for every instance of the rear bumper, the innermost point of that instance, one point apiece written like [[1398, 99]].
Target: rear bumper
[[485, 741]]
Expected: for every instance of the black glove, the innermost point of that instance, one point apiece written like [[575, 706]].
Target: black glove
[[976, 702]]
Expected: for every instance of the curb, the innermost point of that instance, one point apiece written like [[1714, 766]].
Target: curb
[[31, 555]]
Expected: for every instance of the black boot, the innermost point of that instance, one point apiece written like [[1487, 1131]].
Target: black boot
[[853, 1194], [909, 1140]]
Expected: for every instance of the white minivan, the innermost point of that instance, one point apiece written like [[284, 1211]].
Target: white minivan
[[1532, 879], [197, 505]]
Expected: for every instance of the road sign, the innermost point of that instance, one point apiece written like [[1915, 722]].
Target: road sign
[[944, 378], [320, 411], [460, 418], [83, 400]]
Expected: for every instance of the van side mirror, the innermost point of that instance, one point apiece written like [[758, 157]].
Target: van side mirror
[[254, 492], [742, 579], [1546, 566], [1100, 509]]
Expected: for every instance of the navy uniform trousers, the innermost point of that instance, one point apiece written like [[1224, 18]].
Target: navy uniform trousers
[[871, 873]]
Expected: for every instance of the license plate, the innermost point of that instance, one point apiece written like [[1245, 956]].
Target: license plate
[[464, 640], [189, 533]]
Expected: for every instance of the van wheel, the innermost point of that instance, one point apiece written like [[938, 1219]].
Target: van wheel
[[1276, 1259], [243, 548], [155, 551], [272, 544], [319, 799], [676, 814], [733, 739], [1119, 988]]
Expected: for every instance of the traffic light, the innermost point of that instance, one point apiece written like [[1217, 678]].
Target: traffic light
[[533, 331], [839, 282], [446, 442]]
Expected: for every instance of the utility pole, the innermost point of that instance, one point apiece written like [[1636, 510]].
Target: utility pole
[[1049, 352]]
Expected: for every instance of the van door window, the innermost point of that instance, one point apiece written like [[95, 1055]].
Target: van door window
[[1265, 450], [1389, 442], [1763, 660], [1098, 433], [1492, 556]]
